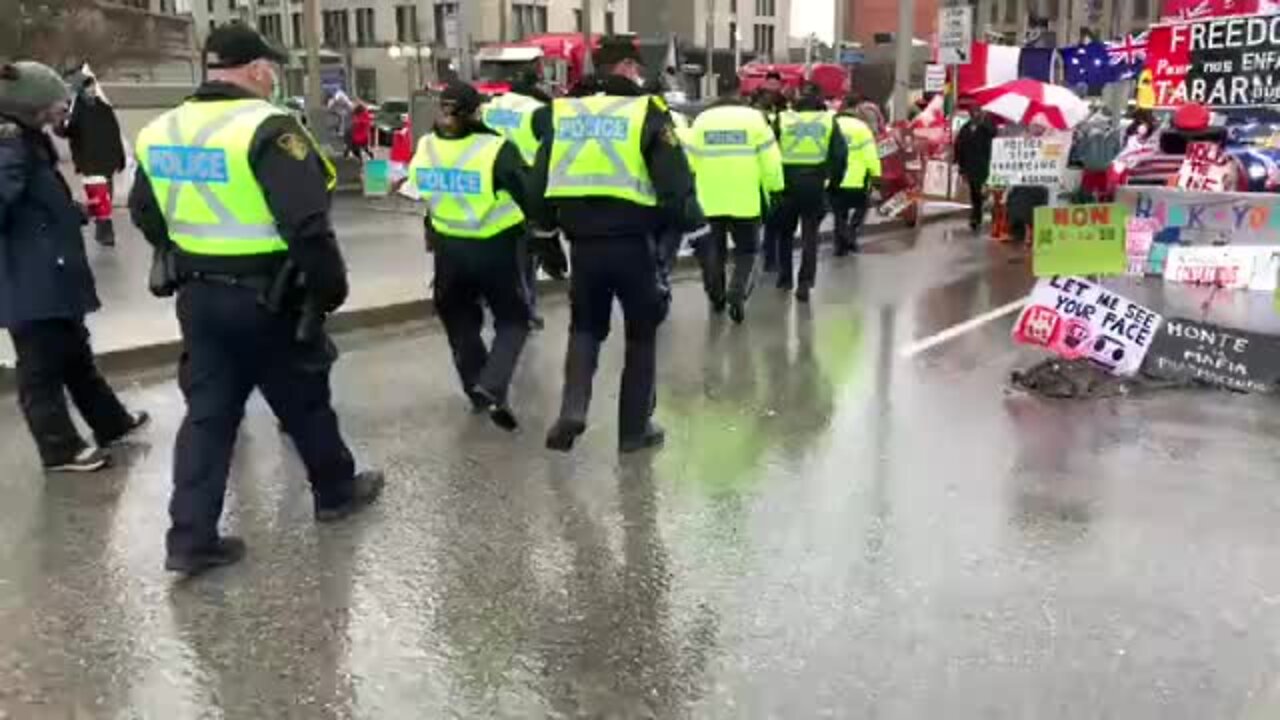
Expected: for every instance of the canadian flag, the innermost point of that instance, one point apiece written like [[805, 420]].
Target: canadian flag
[[989, 65]]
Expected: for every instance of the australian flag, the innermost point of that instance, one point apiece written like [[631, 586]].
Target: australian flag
[[1128, 55], [1088, 65]]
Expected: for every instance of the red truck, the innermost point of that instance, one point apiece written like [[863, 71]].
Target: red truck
[[558, 58], [832, 79]]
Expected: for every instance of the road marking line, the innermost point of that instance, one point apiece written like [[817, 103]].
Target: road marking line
[[938, 338]]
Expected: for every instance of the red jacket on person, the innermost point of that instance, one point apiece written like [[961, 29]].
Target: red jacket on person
[[361, 126]]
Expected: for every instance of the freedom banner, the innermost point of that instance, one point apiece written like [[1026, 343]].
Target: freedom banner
[[1222, 62]]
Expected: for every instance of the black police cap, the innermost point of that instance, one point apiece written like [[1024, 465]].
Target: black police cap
[[459, 98], [237, 44]]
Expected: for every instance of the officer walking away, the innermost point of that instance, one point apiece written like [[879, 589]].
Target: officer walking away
[[245, 219], [849, 201], [737, 167], [475, 185], [814, 156], [614, 174], [523, 117], [770, 100], [46, 286]]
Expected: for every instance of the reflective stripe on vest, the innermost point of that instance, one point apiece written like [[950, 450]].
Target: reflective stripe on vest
[[223, 211], [511, 116], [594, 139], [806, 137], [457, 185]]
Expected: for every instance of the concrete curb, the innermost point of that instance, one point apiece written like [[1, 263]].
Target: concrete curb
[[146, 357]]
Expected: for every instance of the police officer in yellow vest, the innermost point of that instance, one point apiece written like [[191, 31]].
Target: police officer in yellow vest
[[737, 166], [813, 157], [523, 117], [237, 190], [849, 201], [614, 175], [475, 185]]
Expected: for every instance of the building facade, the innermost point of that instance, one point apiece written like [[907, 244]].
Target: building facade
[[382, 49], [875, 22], [760, 26]]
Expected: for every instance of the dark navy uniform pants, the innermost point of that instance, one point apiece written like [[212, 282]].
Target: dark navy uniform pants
[[231, 346]]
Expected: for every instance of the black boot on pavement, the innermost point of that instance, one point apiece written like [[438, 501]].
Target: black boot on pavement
[[104, 232], [367, 490], [653, 437], [499, 412], [137, 421], [226, 551], [86, 461]]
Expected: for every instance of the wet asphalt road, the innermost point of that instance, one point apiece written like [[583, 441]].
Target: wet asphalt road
[[833, 531]]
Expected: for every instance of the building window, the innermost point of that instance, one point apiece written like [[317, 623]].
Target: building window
[[764, 40], [212, 24], [446, 18], [365, 34], [209, 5], [231, 6], [1141, 9], [1010, 10], [766, 8], [608, 22], [529, 19], [577, 20], [733, 7], [994, 16], [407, 23], [367, 84], [337, 28], [733, 36], [270, 27], [295, 25]]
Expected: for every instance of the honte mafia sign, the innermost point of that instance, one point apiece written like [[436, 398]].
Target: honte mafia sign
[[1221, 62], [1075, 318], [1233, 359]]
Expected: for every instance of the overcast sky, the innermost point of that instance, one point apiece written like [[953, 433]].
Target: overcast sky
[[813, 16]]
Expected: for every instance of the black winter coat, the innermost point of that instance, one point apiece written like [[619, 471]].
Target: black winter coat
[[973, 149], [44, 272], [94, 135]]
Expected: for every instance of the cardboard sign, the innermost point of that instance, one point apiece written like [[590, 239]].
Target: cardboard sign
[[1205, 168], [937, 175], [1220, 62], [1080, 240], [895, 205], [1238, 218], [1232, 267], [377, 178], [935, 77], [1138, 238], [955, 34], [1029, 160], [1233, 359], [1075, 318]]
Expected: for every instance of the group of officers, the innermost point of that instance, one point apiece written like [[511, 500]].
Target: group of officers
[[234, 196]]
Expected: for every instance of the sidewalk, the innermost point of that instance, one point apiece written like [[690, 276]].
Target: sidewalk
[[388, 265]]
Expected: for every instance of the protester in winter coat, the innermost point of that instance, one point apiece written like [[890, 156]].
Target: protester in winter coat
[[46, 286], [973, 156], [358, 140], [93, 131]]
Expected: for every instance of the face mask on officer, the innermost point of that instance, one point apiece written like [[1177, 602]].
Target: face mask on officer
[[264, 77]]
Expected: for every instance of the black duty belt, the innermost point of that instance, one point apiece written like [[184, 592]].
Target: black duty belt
[[257, 283]]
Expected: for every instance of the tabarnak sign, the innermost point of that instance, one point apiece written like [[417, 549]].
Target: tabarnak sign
[[1220, 62]]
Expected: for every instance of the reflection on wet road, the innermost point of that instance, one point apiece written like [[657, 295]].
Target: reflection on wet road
[[832, 531]]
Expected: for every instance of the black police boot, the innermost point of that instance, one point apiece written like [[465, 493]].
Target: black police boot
[[367, 489], [737, 311], [652, 437], [579, 370], [802, 294], [499, 411], [104, 232], [226, 551]]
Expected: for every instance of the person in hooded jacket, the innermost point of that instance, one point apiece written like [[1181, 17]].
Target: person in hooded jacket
[[97, 148], [476, 186], [46, 286]]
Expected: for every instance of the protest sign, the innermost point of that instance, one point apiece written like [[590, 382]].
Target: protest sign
[[1079, 240], [1206, 168], [1220, 62], [1233, 359], [1075, 318], [1029, 160], [1234, 267], [1139, 234], [895, 205], [937, 175], [935, 77], [955, 34], [377, 178], [1238, 218]]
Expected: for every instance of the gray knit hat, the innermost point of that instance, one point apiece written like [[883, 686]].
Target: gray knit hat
[[27, 87]]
